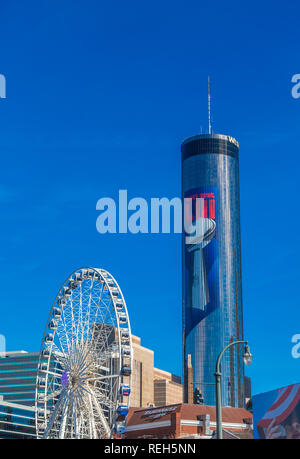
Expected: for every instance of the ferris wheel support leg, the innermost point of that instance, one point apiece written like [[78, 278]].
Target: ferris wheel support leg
[[64, 419], [75, 420], [92, 418], [102, 417], [54, 414]]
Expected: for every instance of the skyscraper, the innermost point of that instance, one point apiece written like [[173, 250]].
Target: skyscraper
[[18, 372], [212, 285]]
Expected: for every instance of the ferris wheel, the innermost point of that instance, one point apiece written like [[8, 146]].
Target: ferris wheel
[[84, 372]]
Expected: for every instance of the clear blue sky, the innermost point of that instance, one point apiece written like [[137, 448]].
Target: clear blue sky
[[99, 97]]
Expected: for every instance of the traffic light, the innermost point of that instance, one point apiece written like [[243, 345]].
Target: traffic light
[[198, 398]]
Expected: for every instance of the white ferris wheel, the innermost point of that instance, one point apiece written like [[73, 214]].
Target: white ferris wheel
[[84, 371]]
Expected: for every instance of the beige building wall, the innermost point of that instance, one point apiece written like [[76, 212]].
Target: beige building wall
[[142, 390], [151, 386], [168, 389], [190, 382]]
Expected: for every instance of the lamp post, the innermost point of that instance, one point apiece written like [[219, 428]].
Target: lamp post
[[218, 374]]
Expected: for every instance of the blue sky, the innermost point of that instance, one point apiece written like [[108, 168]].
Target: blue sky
[[99, 97]]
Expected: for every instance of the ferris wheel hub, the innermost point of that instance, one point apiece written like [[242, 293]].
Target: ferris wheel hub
[[65, 379]]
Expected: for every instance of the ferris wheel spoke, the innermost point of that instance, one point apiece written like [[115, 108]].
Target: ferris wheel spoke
[[84, 387], [52, 395], [87, 319], [109, 309], [103, 343], [99, 378], [51, 373], [63, 338], [104, 400], [98, 310], [82, 363], [103, 334], [80, 313], [64, 332], [72, 321], [59, 354]]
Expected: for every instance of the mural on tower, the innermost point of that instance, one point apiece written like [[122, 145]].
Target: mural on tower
[[201, 255]]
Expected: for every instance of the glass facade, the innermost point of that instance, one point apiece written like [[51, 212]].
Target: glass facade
[[212, 285], [17, 421], [18, 372]]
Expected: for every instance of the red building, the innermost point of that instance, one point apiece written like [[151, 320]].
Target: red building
[[185, 420]]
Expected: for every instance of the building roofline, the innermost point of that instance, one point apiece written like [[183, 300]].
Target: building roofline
[[17, 405], [211, 136]]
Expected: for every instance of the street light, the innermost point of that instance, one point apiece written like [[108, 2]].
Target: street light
[[247, 357]]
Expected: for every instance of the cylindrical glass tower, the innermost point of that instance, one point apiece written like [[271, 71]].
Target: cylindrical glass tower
[[212, 284]]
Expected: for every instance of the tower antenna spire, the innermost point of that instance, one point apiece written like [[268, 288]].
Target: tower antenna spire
[[209, 121]]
